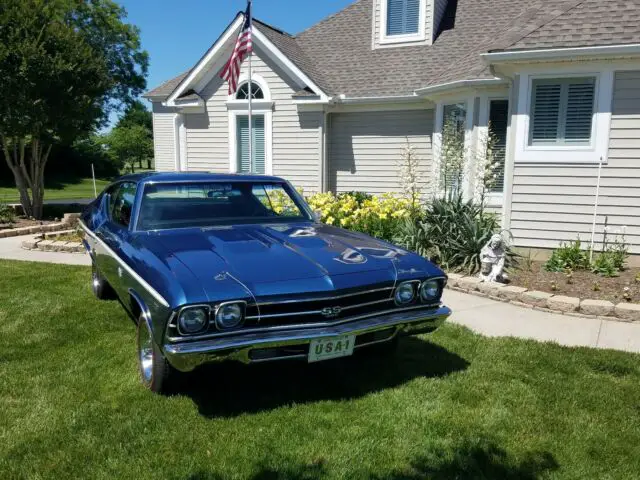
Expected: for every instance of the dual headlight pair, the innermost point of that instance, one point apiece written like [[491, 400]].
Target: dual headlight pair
[[192, 320], [429, 292]]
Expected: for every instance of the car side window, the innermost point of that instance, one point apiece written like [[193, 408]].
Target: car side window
[[121, 203]]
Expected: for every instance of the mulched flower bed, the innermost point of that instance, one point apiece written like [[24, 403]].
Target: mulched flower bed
[[611, 289]]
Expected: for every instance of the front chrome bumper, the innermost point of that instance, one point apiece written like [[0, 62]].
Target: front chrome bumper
[[290, 344]]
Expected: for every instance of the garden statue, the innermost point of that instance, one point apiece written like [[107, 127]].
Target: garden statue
[[492, 257]]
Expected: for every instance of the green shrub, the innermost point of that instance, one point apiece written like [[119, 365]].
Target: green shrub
[[452, 232], [7, 214], [569, 256], [605, 264]]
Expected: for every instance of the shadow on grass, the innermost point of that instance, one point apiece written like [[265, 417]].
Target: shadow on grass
[[477, 459], [230, 389]]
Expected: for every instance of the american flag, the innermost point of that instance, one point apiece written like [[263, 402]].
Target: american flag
[[244, 47]]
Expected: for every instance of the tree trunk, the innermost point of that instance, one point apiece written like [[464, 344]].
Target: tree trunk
[[149, 163], [28, 176]]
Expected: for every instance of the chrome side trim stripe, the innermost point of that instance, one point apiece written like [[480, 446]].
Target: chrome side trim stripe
[[124, 265]]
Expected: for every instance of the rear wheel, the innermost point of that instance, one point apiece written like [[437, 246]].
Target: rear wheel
[[101, 288], [156, 373]]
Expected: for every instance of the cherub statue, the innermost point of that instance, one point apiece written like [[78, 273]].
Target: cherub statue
[[492, 257]]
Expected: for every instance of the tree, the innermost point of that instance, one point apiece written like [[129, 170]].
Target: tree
[[131, 140], [64, 66]]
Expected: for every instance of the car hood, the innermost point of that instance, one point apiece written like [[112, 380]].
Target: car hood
[[281, 259]]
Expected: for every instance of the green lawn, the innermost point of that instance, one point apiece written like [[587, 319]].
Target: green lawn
[[453, 405], [63, 190]]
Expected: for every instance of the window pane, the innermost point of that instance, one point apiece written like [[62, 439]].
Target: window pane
[[258, 145], [256, 92], [403, 17], [545, 115], [452, 154], [579, 115], [185, 205], [123, 204], [498, 120]]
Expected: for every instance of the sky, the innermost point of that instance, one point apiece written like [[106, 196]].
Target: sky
[[177, 33]]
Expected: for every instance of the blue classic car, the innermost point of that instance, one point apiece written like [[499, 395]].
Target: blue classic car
[[214, 267]]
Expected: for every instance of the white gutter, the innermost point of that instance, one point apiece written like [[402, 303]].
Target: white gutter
[[561, 53], [478, 82], [343, 99]]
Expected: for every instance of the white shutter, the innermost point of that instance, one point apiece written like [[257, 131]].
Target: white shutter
[[403, 17], [562, 111], [579, 114], [258, 145], [545, 112]]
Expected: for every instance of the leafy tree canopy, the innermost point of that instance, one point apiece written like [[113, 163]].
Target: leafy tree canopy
[[64, 66]]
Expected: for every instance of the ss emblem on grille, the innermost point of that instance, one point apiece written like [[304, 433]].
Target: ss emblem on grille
[[331, 312]]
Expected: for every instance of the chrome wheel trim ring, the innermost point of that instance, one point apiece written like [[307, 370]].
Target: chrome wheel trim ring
[[145, 352]]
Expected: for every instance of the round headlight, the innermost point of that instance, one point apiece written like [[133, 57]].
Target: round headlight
[[192, 320], [229, 315], [405, 293], [430, 290]]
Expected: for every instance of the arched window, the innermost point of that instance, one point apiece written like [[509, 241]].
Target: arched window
[[256, 92]]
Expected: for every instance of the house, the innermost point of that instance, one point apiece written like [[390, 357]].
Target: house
[[559, 83]]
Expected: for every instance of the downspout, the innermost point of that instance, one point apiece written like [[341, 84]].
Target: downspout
[[324, 187]]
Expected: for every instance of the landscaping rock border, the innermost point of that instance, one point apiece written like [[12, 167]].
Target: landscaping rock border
[[68, 220], [623, 312]]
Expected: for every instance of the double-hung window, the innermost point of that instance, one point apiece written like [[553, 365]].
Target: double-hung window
[[562, 112], [403, 17]]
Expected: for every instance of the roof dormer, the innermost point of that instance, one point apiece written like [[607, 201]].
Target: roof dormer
[[399, 23]]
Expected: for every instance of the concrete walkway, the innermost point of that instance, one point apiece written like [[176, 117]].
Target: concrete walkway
[[11, 249], [482, 315]]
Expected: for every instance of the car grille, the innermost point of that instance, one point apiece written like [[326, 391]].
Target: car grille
[[320, 309]]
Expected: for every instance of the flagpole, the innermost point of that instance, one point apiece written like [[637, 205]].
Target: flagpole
[[250, 93]]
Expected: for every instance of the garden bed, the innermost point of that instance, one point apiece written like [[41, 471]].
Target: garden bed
[[21, 222], [584, 284]]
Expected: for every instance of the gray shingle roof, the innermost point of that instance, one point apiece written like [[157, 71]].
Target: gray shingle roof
[[165, 89], [336, 53], [589, 23]]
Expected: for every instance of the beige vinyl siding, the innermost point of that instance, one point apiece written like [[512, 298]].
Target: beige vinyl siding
[[379, 27], [555, 203], [365, 148], [296, 136], [164, 138]]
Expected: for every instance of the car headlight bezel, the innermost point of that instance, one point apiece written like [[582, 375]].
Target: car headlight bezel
[[181, 319], [412, 284], [224, 307], [436, 287]]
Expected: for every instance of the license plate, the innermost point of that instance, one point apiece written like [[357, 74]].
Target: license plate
[[328, 348]]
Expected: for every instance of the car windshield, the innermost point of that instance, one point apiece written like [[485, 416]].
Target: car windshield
[[184, 205]]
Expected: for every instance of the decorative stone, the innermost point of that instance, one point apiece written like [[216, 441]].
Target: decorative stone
[[58, 246], [454, 278], [46, 245], [74, 247], [629, 312], [535, 298], [31, 244], [469, 283], [510, 292], [564, 304], [490, 288], [596, 307]]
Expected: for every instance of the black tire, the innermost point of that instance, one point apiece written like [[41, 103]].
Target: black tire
[[99, 285], [156, 374]]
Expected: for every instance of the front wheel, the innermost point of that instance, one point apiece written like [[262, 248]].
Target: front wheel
[[155, 371]]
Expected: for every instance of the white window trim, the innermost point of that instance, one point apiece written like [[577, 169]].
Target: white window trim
[[180, 142], [421, 36], [268, 137], [258, 107], [567, 154], [468, 141], [494, 199]]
